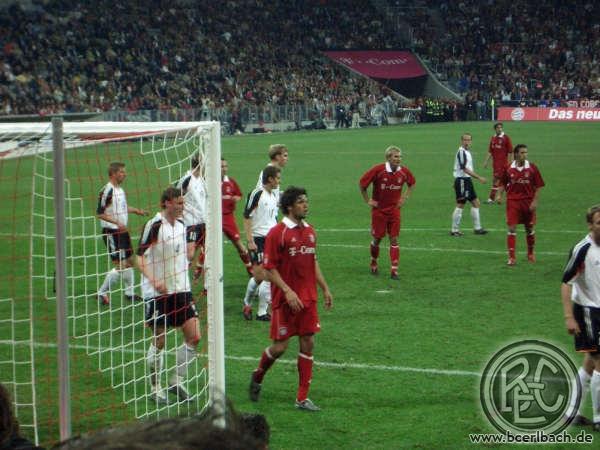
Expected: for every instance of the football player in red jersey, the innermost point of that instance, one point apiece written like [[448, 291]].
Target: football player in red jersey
[[500, 151], [387, 198], [230, 195], [522, 181], [292, 267]]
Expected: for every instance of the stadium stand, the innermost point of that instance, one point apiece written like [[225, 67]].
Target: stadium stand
[[64, 57]]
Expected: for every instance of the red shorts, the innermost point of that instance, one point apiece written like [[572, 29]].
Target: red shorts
[[383, 223], [230, 228], [285, 324], [517, 211]]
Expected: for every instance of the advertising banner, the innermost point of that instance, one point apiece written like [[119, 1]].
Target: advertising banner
[[549, 114]]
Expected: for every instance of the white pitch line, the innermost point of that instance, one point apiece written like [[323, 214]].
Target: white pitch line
[[331, 365], [438, 249]]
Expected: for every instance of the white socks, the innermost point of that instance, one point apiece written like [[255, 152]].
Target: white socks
[[584, 379], [128, 280], [154, 363], [595, 390], [111, 278], [264, 297], [476, 219], [250, 291], [185, 354], [456, 218]]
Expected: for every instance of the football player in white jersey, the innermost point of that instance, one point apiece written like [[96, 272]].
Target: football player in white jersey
[[260, 215], [113, 213], [163, 261], [193, 189]]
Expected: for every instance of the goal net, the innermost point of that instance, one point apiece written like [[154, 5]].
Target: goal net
[[109, 375]]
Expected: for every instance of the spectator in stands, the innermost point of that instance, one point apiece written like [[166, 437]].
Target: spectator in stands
[[241, 432]]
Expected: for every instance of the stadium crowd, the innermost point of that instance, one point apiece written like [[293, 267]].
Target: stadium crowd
[[62, 56], [519, 51]]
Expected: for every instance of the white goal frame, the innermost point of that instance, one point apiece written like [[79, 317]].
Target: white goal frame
[[56, 142]]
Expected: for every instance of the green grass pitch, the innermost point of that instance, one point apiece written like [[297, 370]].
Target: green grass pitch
[[397, 362]]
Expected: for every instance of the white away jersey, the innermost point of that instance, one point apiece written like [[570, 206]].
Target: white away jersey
[[165, 252], [113, 203], [462, 161], [194, 195], [583, 272], [261, 207]]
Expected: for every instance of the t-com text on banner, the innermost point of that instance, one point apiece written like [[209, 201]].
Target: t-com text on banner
[[550, 114]]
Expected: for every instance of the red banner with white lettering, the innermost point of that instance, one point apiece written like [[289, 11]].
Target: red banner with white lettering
[[388, 64], [550, 114]]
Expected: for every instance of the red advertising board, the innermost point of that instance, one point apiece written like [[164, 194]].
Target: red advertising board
[[388, 64], [550, 114]]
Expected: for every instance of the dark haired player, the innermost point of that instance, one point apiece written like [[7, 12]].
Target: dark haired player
[[162, 259], [292, 267], [522, 181], [500, 152]]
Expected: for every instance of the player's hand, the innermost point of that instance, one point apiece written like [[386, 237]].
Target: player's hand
[[252, 246], [572, 326], [483, 180], [293, 301], [236, 198], [160, 288], [141, 212], [401, 202], [328, 299], [372, 203], [533, 206], [122, 228]]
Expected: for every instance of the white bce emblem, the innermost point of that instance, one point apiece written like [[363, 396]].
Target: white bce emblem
[[530, 386]]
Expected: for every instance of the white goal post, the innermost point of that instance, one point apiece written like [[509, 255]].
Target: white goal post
[[57, 170]]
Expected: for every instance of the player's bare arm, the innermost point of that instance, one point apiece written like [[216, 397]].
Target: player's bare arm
[[138, 211], [487, 160], [474, 175], [369, 201], [108, 218], [159, 286], [290, 296], [570, 322], [327, 297], [248, 231], [405, 196], [534, 202]]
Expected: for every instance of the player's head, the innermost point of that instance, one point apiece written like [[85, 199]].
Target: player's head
[[593, 219], [393, 155], [498, 126], [278, 154], [116, 171], [195, 161], [9, 425], [294, 202], [195, 432], [271, 176], [171, 201], [256, 425], [520, 153], [466, 140], [224, 167]]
